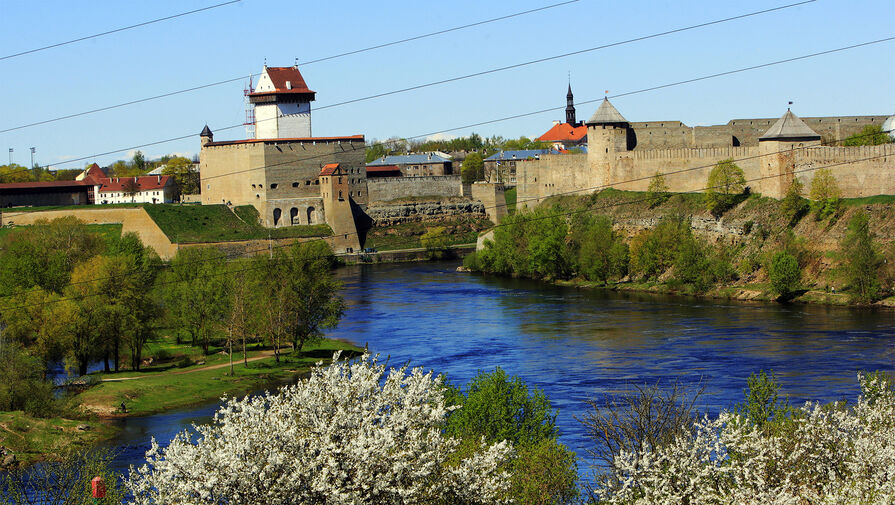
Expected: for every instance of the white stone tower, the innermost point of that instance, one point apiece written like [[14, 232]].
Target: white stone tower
[[282, 103]]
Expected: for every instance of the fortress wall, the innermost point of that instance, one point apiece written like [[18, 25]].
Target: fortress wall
[[640, 167], [295, 166], [856, 175], [392, 188], [227, 174]]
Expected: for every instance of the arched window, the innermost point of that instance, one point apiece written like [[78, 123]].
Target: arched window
[[277, 213], [293, 216], [310, 215]]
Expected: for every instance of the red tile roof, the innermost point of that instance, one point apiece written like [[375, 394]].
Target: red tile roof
[[384, 168], [44, 184], [279, 76], [564, 132], [144, 183], [329, 169], [94, 174]]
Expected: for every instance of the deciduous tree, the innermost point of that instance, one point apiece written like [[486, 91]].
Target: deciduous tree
[[725, 182]]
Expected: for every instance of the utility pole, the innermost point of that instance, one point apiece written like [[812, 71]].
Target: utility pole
[[32, 157]]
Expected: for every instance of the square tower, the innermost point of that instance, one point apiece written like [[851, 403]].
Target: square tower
[[282, 104]]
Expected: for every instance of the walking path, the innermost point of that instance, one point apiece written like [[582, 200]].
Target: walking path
[[262, 355]]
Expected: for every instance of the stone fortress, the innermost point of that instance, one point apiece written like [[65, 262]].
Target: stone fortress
[[627, 155]]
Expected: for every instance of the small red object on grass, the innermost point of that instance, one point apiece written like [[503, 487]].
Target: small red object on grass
[[98, 487]]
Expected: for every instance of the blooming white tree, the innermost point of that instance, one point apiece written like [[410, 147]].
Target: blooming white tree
[[350, 434], [826, 455]]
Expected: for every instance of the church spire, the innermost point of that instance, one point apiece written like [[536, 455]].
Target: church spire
[[570, 107]]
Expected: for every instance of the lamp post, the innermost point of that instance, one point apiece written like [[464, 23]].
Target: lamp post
[[10, 157], [32, 157]]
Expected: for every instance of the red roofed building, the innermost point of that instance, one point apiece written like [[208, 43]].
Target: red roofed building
[[570, 134], [140, 189], [282, 102]]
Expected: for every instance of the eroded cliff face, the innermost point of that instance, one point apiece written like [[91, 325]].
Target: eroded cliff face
[[398, 212]]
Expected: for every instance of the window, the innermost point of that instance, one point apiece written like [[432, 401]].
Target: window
[[294, 184], [273, 186]]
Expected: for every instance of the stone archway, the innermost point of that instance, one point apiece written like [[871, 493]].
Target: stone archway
[[277, 213], [293, 216], [311, 215]]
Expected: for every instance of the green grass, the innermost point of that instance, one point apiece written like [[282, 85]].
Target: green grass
[[165, 388], [216, 223], [869, 200], [32, 439], [76, 207], [510, 196], [106, 231], [407, 235]]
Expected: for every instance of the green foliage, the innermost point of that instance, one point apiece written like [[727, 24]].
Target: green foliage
[[725, 183], [139, 161], [196, 293], [65, 482], [657, 192], [602, 254], [499, 407], [826, 197], [794, 206], [186, 179], [473, 168], [862, 260], [436, 241], [22, 384], [871, 135], [762, 405], [531, 244], [471, 262], [655, 251], [215, 223], [785, 274]]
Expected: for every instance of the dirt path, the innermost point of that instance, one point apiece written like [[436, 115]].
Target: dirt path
[[262, 355]]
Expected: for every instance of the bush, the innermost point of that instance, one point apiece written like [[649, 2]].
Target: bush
[[657, 192], [602, 254], [436, 241], [785, 274], [652, 252], [725, 183], [826, 197], [471, 262], [22, 386], [863, 261], [794, 206], [350, 433]]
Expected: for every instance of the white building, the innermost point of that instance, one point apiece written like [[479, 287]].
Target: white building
[[140, 189], [282, 104]]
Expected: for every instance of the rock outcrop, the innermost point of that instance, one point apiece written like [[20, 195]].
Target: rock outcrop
[[397, 213]]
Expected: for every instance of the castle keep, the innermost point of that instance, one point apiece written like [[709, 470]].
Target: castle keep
[[291, 177], [771, 152]]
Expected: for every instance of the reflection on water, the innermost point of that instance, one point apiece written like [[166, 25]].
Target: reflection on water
[[579, 344]]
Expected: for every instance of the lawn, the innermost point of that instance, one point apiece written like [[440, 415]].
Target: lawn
[[185, 224], [106, 231], [32, 439], [167, 387]]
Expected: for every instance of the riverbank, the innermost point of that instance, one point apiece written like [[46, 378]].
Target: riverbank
[[25, 440]]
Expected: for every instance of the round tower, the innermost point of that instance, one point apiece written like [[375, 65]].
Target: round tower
[[607, 136]]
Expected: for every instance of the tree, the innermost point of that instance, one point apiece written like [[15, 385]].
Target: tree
[[725, 182], [436, 241], [130, 187], [242, 321], [14, 173], [602, 254], [139, 162], [22, 383], [657, 192], [185, 177], [350, 433], [785, 274], [825, 194], [762, 405], [862, 259], [871, 135], [196, 294], [473, 168], [495, 407]]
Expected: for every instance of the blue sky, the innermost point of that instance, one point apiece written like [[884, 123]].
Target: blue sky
[[234, 40]]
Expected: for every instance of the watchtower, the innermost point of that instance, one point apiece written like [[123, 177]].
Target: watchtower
[[282, 104], [779, 149], [607, 135]]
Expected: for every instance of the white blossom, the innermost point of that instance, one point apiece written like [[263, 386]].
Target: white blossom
[[349, 434], [832, 455]]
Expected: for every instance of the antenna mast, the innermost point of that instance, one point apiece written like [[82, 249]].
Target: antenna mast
[[250, 110]]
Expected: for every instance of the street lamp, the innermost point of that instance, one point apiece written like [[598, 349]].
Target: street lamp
[[32, 157], [10, 157]]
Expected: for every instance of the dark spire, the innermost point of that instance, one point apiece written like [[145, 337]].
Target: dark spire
[[206, 132], [570, 107]]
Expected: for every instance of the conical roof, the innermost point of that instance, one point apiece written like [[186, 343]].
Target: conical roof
[[206, 132], [790, 127], [606, 114]]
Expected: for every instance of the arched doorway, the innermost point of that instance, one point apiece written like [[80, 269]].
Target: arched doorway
[[310, 215], [277, 213], [293, 216]]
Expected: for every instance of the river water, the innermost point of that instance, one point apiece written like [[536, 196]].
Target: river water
[[579, 344]]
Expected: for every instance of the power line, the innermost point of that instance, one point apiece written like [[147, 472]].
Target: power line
[[116, 30], [500, 225], [564, 193], [226, 81], [490, 121]]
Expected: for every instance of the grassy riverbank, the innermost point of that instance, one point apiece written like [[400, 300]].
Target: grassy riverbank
[[167, 386], [33, 439]]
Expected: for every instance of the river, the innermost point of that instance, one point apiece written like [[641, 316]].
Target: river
[[579, 344]]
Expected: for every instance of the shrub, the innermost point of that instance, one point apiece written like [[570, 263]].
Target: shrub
[[862, 260], [436, 241], [350, 433], [785, 274], [825, 194], [871, 135], [602, 254], [22, 384], [725, 182], [794, 206], [654, 251], [762, 405], [657, 192], [471, 261]]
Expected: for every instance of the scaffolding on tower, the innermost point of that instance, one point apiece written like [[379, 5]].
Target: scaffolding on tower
[[250, 110]]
